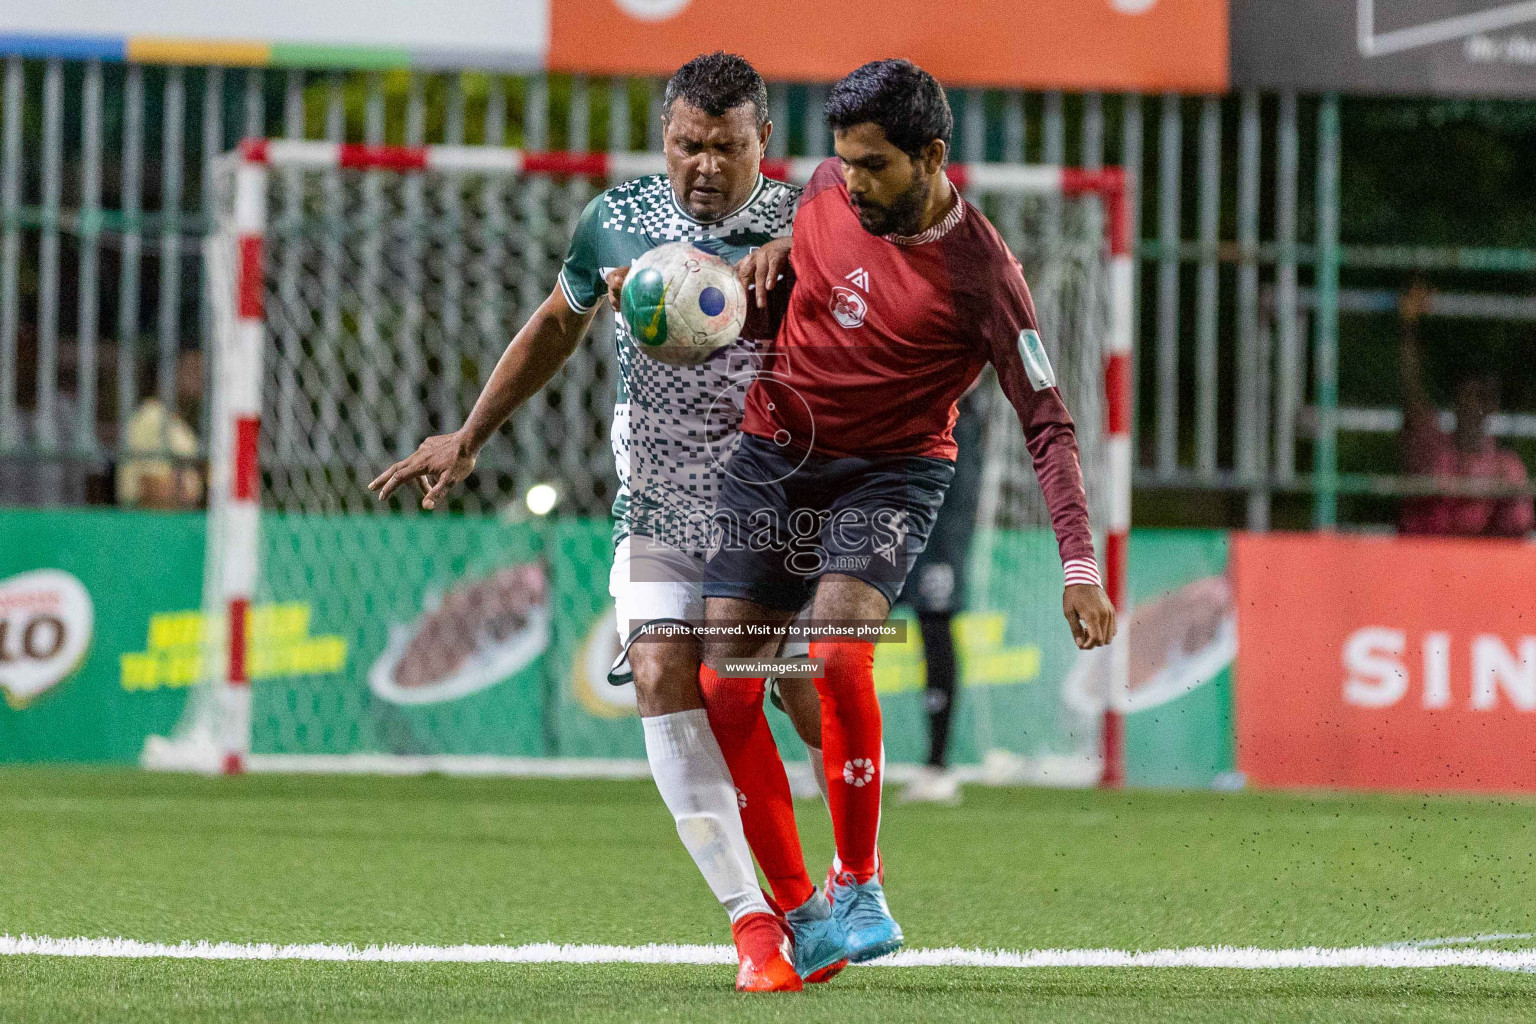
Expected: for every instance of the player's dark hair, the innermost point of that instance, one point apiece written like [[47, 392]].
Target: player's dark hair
[[717, 82], [906, 102]]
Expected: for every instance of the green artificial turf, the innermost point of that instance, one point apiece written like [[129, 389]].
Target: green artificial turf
[[444, 861]]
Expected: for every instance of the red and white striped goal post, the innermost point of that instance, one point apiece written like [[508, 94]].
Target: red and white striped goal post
[[241, 356]]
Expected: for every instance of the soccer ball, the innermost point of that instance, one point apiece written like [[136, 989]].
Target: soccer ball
[[682, 304]]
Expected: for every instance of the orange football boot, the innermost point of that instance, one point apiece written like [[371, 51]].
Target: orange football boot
[[767, 958]]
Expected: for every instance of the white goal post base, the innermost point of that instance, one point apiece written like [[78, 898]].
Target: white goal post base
[[236, 473]]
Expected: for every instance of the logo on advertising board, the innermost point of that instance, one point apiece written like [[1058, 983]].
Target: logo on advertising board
[[472, 636], [182, 647], [1398, 27], [601, 679], [652, 10], [46, 620], [1413, 47], [1179, 641], [1383, 664]]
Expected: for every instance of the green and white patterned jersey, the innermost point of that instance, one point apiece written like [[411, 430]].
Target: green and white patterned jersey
[[674, 426]]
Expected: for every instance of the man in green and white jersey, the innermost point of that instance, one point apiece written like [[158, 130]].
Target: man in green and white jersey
[[674, 429]]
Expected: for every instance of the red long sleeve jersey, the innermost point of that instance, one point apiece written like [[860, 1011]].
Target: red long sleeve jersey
[[881, 336]]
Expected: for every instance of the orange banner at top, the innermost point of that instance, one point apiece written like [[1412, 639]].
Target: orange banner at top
[[1107, 45]]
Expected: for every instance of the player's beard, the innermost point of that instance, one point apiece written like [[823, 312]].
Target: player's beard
[[899, 217]]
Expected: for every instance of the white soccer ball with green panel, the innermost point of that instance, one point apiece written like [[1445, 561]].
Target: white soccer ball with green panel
[[682, 304]]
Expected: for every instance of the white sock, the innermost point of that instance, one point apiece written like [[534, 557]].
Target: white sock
[[696, 786], [818, 772]]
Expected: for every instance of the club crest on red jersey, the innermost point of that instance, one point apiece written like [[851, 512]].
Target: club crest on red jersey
[[848, 306]]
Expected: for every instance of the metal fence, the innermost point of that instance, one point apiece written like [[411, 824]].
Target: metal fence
[[104, 198]]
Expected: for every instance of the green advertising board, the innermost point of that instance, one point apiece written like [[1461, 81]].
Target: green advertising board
[[1023, 679], [416, 605], [133, 567], [1179, 730], [444, 635]]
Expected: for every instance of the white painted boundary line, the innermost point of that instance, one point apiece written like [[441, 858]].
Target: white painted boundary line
[[1464, 940], [1231, 957]]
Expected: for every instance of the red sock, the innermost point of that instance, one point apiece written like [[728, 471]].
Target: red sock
[[852, 751], [735, 709]]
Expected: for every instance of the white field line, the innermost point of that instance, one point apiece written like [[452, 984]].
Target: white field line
[[1231, 957], [1464, 940]]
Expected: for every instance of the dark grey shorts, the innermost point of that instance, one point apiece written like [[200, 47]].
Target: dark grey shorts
[[785, 519]]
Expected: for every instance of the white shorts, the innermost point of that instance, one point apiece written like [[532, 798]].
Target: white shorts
[[655, 582]]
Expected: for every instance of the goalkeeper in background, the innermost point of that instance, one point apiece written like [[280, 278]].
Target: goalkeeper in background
[[935, 592]]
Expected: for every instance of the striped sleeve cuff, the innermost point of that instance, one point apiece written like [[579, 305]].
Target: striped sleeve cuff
[[1081, 570], [570, 296]]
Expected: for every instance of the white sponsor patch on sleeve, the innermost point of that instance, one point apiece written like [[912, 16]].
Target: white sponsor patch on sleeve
[[1036, 363]]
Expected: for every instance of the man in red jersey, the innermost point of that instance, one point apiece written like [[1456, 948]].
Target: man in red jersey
[[902, 293]]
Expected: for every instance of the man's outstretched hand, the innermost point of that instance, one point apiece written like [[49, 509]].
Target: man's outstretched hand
[[761, 267], [435, 467], [1090, 615]]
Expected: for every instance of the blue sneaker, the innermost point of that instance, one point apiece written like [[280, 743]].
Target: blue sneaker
[[861, 908], [819, 939]]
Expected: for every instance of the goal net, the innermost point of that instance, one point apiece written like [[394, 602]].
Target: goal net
[[361, 297], [1052, 717]]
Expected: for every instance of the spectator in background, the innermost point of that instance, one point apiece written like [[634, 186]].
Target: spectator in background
[[50, 465], [157, 465], [1466, 454]]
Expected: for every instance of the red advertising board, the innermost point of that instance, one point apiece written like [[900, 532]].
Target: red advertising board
[[1113, 45], [1385, 663]]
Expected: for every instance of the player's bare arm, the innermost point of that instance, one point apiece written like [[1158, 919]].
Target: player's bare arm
[[535, 354]]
